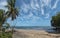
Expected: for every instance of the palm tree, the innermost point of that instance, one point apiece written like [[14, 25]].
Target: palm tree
[[12, 10], [2, 18]]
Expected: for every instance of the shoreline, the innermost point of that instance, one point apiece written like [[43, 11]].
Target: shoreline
[[21, 33]]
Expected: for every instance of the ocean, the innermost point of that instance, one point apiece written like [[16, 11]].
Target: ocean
[[46, 28]]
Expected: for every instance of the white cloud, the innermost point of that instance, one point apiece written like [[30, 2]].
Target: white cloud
[[4, 8], [3, 3], [46, 2], [35, 18], [25, 7], [42, 11], [36, 6], [30, 15], [55, 5], [32, 4], [47, 15]]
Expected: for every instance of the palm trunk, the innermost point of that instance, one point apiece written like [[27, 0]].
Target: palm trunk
[[0, 30]]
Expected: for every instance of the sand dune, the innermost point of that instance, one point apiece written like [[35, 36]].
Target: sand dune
[[34, 34]]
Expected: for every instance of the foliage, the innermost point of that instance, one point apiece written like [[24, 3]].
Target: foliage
[[55, 22], [6, 35], [2, 17], [12, 9], [11, 12]]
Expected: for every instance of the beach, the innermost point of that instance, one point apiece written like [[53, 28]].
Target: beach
[[22, 33]]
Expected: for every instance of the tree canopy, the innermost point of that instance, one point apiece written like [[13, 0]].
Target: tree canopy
[[12, 9], [11, 12], [55, 22]]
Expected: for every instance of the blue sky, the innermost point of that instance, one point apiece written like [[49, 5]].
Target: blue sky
[[34, 12]]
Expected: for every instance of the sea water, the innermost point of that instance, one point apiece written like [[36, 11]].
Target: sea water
[[46, 28]]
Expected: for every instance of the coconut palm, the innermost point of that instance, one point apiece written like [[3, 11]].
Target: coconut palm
[[2, 18], [12, 10]]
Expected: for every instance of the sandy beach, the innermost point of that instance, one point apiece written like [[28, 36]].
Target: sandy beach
[[20, 33]]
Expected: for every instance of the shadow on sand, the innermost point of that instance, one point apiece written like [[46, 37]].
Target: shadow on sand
[[54, 31]]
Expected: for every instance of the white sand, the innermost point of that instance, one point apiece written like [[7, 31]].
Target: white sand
[[34, 34]]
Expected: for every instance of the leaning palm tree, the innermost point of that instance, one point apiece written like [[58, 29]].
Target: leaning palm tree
[[2, 20], [12, 10]]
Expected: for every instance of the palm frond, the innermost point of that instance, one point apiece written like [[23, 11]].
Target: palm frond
[[12, 10]]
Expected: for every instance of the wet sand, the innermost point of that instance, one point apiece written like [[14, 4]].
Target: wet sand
[[20, 33]]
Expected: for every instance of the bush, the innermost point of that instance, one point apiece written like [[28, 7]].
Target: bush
[[55, 22], [4, 33]]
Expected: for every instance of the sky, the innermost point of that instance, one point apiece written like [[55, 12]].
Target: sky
[[33, 12]]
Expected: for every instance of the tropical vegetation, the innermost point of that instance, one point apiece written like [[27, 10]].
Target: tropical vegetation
[[55, 22], [11, 12]]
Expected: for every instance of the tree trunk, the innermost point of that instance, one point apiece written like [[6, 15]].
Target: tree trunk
[[0, 30]]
